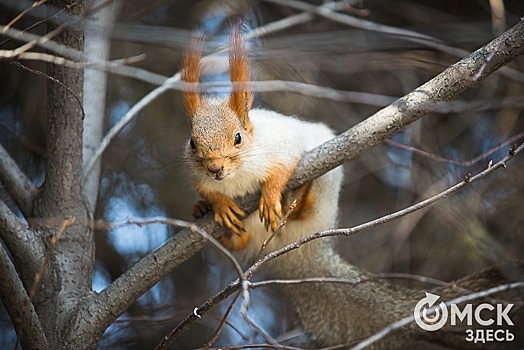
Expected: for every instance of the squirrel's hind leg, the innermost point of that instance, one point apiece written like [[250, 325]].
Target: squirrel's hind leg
[[305, 200], [233, 241]]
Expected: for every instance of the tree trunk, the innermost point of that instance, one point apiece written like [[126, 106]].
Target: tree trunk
[[68, 276]]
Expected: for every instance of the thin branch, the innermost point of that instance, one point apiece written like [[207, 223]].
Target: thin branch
[[365, 135], [412, 106], [24, 12], [126, 119], [236, 285], [17, 183], [76, 58], [215, 336], [388, 218], [54, 80], [54, 240], [459, 300], [462, 163], [120, 67], [21, 311], [184, 224], [419, 38]]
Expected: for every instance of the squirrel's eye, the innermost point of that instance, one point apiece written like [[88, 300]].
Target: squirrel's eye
[[238, 139], [192, 144]]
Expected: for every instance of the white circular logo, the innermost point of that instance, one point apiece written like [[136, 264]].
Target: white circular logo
[[435, 320]]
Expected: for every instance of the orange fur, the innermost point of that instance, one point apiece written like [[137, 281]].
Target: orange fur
[[227, 213], [235, 242], [305, 202], [241, 97], [191, 74], [270, 208]]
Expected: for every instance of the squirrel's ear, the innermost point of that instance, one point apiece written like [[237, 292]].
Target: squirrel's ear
[[191, 74], [241, 97]]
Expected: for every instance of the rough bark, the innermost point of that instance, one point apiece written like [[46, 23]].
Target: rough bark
[[68, 277], [72, 316], [367, 134]]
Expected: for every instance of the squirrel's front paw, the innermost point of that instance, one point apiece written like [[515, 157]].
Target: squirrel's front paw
[[228, 214], [201, 208], [270, 209]]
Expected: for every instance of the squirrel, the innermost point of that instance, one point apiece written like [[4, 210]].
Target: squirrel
[[235, 150]]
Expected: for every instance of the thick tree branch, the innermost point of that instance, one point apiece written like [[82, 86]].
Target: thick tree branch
[[16, 301], [382, 125], [17, 184], [250, 272], [24, 244], [386, 122]]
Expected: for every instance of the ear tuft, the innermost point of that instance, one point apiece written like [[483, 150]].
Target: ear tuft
[[241, 97], [191, 74]]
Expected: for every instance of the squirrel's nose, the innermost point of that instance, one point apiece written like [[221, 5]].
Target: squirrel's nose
[[214, 168]]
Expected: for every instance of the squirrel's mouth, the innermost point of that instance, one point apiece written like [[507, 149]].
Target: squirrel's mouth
[[219, 176]]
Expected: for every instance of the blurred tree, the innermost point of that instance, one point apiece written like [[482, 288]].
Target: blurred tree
[[58, 295]]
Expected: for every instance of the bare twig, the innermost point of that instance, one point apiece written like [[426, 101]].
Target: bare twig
[[237, 285], [279, 228], [462, 299], [23, 13], [419, 38], [358, 139], [215, 336], [16, 182], [54, 240], [351, 281], [54, 80], [411, 107], [462, 163], [185, 224], [19, 306]]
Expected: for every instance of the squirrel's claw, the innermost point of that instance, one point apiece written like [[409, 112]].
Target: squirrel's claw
[[270, 210], [227, 214], [201, 208]]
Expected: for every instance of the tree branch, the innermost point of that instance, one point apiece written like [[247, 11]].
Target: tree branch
[[365, 135], [386, 122], [17, 184], [25, 246], [410, 35], [96, 47], [237, 284], [459, 300], [21, 311]]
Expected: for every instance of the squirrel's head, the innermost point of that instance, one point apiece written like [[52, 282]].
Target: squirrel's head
[[220, 128]]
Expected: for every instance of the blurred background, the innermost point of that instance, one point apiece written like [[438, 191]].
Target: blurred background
[[144, 172]]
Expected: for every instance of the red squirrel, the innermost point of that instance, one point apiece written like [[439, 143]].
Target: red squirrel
[[235, 150]]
